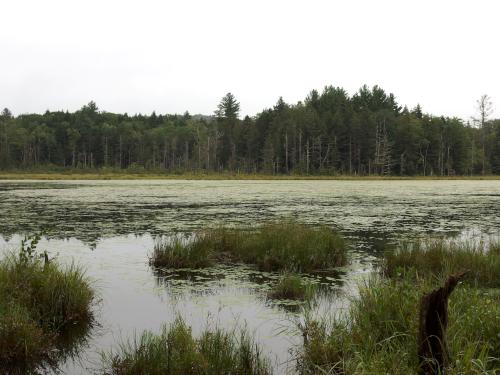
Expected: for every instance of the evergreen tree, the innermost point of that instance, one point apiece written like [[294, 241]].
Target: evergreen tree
[[329, 132]]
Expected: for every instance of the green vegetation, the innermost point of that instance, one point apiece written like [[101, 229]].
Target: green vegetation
[[125, 174], [181, 252], [378, 334], [176, 352], [293, 287], [328, 133], [275, 246], [440, 257], [40, 305]]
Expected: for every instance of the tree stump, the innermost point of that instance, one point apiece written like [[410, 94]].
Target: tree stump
[[432, 347]]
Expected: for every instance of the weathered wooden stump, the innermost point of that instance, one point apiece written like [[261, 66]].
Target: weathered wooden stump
[[432, 347]]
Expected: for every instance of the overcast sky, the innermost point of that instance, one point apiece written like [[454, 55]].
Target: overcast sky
[[173, 56]]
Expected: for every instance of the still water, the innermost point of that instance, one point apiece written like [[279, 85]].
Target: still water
[[110, 227]]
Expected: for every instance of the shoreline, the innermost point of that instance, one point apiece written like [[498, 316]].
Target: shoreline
[[96, 175]]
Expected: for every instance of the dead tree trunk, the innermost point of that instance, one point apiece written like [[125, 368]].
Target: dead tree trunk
[[432, 348]]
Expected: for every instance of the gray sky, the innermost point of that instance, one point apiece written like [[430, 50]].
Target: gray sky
[[172, 56]]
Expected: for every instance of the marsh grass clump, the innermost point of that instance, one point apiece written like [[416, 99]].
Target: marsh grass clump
[[176, 352], [286, 246], [271, 247], [40, 302], [440, 257], [293, 287], [182, 252], [378, 334]]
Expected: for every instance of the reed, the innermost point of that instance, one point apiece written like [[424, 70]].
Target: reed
[[271, 247], [440, 257], [180, 252], [378, 334], [39, 304], [293, 287], [176, 352]]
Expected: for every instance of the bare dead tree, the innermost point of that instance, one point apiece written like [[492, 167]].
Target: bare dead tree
[[485, 109], [382, 158]]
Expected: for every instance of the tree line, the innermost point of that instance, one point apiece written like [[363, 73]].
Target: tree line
[[330, 132]]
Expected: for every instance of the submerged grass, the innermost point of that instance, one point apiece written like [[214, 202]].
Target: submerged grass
[[39, 303], [176, 352], [271, 247], [440, 257], [293, 287]]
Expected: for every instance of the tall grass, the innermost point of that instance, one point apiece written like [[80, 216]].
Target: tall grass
[[176, 352], [378, 335], [181, 252], [440, 257], [293, 287], [39, 303], [271, 247]]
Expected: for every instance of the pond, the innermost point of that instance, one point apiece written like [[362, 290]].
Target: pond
[[110, 227]]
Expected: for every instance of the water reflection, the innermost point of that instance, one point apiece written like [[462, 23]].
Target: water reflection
[[69, 343], [239, 279]]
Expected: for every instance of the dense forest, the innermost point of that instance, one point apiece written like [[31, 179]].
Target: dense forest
[[330, 132]]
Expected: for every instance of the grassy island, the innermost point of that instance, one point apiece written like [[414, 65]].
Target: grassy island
[[293, 287], [271, 247]]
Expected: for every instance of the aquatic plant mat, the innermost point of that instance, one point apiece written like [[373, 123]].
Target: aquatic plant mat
[[276, 246], [176, 352], [45, 310], [292, 287], [379, 332]]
